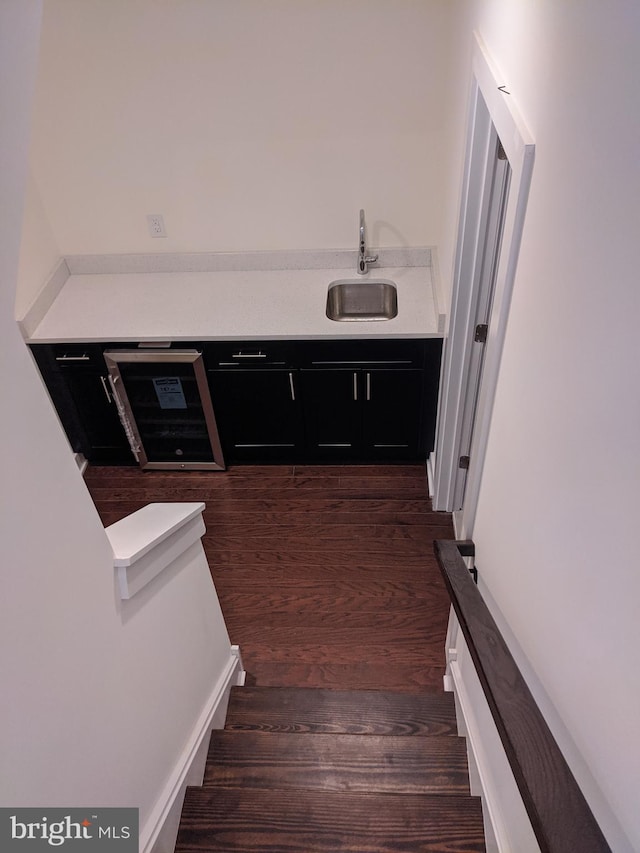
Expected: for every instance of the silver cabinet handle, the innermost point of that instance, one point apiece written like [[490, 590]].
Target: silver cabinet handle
[[368, 386], [360, 362], [235, 363], [84, 357], [293, 390], [106, 390], [249, 355], [355, 386]]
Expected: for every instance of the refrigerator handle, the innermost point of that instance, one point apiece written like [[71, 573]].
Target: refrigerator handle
[[124, 420]]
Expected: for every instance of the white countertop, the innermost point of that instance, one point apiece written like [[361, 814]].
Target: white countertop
[[228, 305]]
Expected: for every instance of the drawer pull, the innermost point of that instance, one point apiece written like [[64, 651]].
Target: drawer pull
[[235, 364], [293, 390], [361, 362], [249, 355], [263, 445], [84, 357]]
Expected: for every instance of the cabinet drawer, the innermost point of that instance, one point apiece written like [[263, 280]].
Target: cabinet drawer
[[249, 354], [79, 355], [388, 354]]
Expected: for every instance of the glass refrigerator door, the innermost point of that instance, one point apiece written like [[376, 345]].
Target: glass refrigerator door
[[165, 408]]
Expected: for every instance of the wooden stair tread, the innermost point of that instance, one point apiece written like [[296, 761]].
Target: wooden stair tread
[[365, 712], [325, 822], [383, 764]]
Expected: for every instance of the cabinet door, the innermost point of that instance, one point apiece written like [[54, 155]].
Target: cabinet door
[[98, 416], [76, 379], [391, 424], [258, 414], [332, 413]]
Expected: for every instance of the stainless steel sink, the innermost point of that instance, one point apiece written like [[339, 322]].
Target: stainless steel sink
[[350, 299]]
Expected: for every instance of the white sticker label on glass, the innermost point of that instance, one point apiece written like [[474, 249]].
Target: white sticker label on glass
[[169, 392]]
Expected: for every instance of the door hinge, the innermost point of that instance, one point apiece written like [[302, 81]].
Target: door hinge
[[480, 336], [463, 462]]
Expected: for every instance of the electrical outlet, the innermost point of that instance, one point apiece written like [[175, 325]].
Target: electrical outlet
[[156, 225]]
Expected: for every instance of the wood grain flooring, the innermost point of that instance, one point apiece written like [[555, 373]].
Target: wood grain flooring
[[328, 762], [304, 770], [328, 822], [321, 711], [325, 574], [343, 738]]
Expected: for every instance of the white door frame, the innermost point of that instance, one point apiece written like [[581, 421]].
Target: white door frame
[[495, 109]]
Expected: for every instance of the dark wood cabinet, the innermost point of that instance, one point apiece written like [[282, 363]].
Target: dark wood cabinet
[[77, 379], [363, 414], [258, 414], [392, 413], [254, 389], [370, 400], [274, 401], [332, 413]]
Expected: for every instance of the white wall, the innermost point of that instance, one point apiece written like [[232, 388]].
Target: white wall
[[458, 76], [556, 526], [248, 125], [99, 697], [259, 126], [39, 251]]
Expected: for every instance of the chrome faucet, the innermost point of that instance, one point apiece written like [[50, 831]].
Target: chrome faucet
[[363, 259]]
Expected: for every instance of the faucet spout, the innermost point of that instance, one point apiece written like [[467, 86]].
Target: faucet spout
[[363, 259]]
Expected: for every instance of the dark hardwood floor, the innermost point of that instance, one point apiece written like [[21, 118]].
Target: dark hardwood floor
[[327, 579], [325, 574]]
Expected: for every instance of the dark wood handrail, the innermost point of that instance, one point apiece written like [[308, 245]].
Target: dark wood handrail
[[560, 816]]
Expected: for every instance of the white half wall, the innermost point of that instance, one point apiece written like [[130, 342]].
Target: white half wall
[[100, 697], [247, 125], [555, 529]]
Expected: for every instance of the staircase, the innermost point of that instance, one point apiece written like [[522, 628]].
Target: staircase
[[304, 770]]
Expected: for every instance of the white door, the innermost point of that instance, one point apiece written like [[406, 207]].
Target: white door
[[493, 205]]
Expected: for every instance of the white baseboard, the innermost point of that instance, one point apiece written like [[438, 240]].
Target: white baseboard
[[158, 835], [431, 462]]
